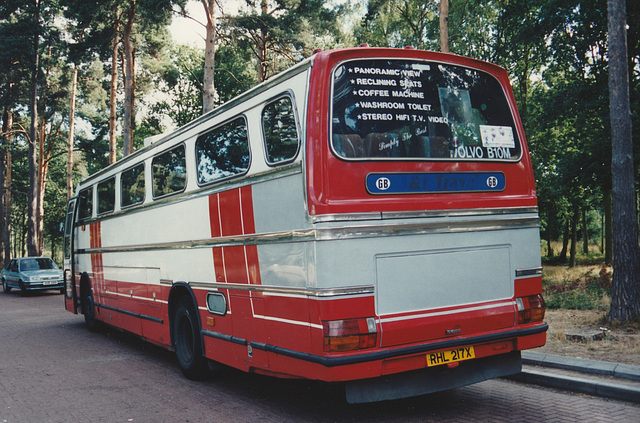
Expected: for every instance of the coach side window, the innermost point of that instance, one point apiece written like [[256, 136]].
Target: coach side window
[[169, 172], [86, 203], [223, 151], [106, 195], [132, 186], [280, 131]]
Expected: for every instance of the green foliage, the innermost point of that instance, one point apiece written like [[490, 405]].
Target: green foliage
[[398, 23], [588, 298], [236, 71], [55, 201], [586, 291], [286, 31], [567, 117], [180, 81], [591, 299]]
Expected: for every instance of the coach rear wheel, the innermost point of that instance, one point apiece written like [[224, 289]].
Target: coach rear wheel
[[187, 341]]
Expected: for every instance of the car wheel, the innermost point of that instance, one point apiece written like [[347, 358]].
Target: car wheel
[[187, 341], [23, 289], [5, 286]]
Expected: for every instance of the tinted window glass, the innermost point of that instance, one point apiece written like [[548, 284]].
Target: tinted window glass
[[420, 110], [86, 203], [106, 195], [223, 152], [169, 172], [132, 186], [280, 130], [37, 264], [67, 228]]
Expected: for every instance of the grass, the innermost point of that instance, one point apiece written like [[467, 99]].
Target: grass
[[578, 299], [578, 288], [620, 344]]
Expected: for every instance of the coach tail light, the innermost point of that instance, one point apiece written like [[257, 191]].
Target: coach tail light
[[530, 309], [349, 334]]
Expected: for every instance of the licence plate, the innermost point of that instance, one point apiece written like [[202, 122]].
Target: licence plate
[[49, 282], [450, 356]]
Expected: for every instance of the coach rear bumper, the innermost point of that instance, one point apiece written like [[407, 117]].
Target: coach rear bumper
[[403, 351], [371, 364]]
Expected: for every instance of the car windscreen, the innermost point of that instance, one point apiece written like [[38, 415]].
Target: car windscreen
[[37, 264], [417, 110]]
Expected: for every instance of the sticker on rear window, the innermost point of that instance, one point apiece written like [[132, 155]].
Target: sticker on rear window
[[497, 136]]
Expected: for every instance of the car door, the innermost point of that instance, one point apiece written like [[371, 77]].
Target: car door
[[12, 274]]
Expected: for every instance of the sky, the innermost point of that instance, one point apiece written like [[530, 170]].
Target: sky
[[187, 31]]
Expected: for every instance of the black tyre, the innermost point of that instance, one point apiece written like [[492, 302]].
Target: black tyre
[[88, 308], [187, 341], [23, 289], [5, 287]]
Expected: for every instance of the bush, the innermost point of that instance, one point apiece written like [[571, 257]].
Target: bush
[[577, 289]]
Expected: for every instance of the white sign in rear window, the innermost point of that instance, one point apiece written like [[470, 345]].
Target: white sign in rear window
[[497, 136]]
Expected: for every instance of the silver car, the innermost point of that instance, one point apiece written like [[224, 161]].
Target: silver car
[[32, 273]]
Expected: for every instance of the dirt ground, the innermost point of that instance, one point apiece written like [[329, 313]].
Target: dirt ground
[[620, 345]]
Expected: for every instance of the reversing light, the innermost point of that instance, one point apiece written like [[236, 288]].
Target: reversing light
[[349, 334], [530, 309]]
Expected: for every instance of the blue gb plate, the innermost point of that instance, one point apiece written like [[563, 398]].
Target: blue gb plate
[[434, 182]]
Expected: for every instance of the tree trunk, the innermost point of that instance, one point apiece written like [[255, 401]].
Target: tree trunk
[[625, 292], [608, 227], [32, 199], [113, 91], [4, 147], [574, 238], [208, 90], [602, 230], [24, 232], [262, 47], [129, 84], [72, 112], [585, 236], [444, 26], [7, 124], [565, 240], [42, 175]]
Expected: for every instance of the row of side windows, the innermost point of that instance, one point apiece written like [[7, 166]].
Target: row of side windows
[[221, 153]]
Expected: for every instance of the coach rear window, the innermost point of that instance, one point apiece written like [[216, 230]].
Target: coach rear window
[[415, 110]]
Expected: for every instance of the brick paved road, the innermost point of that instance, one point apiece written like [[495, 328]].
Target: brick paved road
[[53, 370]]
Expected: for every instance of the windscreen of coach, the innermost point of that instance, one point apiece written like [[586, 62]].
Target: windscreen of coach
[[398, 109]]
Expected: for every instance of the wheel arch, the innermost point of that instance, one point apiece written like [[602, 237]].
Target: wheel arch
[[178, 290]]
